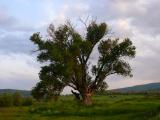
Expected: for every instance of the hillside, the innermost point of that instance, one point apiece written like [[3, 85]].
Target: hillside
[[24, 93], [140, 88]]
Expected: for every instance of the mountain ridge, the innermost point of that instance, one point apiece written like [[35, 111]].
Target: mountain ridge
[[24, 93], [140, 88]]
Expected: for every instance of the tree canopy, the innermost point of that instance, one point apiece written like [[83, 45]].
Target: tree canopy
[[66, 54]]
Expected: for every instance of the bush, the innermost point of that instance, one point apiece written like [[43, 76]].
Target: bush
[[28, 101], [6, 100], [17, 99]]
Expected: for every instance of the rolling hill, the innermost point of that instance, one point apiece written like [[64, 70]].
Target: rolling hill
[[140, 88], [24, 93]]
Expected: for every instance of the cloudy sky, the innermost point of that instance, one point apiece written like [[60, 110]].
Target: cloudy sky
[[137, 19]]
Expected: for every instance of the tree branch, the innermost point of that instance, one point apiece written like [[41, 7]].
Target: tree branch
[[74, 87]]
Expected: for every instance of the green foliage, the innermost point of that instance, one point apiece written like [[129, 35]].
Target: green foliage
[[17, 99], [6, 100], [28, 101], [102, 89], [66, 55], [24, 93]]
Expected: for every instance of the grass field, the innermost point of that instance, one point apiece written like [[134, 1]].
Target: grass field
[[118, 107]]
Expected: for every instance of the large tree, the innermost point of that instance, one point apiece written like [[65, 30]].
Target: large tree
[[66, 54]]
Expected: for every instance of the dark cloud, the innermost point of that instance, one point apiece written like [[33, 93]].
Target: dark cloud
[[16, 44], [15, 35], [21, 84]]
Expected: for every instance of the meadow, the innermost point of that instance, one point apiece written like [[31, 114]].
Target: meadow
[[105, 107]]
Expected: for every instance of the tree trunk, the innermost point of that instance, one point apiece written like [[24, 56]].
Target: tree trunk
[[87, 100]]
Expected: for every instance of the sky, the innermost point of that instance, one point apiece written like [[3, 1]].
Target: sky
[[19, 19]]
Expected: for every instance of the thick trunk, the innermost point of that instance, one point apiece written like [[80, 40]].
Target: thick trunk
[[87, 100]]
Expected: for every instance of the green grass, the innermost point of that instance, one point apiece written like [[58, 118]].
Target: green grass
[[119, 107]]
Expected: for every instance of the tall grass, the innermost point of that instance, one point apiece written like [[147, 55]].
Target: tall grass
[[119, 107]]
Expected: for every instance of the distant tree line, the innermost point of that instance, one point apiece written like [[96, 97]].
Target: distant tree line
[[16, 99]]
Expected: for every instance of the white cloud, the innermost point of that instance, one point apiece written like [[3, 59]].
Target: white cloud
[[18, 67]]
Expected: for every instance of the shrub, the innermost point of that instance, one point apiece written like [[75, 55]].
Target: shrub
[[28, 101], [17, 99], [6, 100]]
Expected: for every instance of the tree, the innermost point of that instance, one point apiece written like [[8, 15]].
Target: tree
[[102, 89], [67, 54], [6, 100], [17, 99], [49, 87]]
